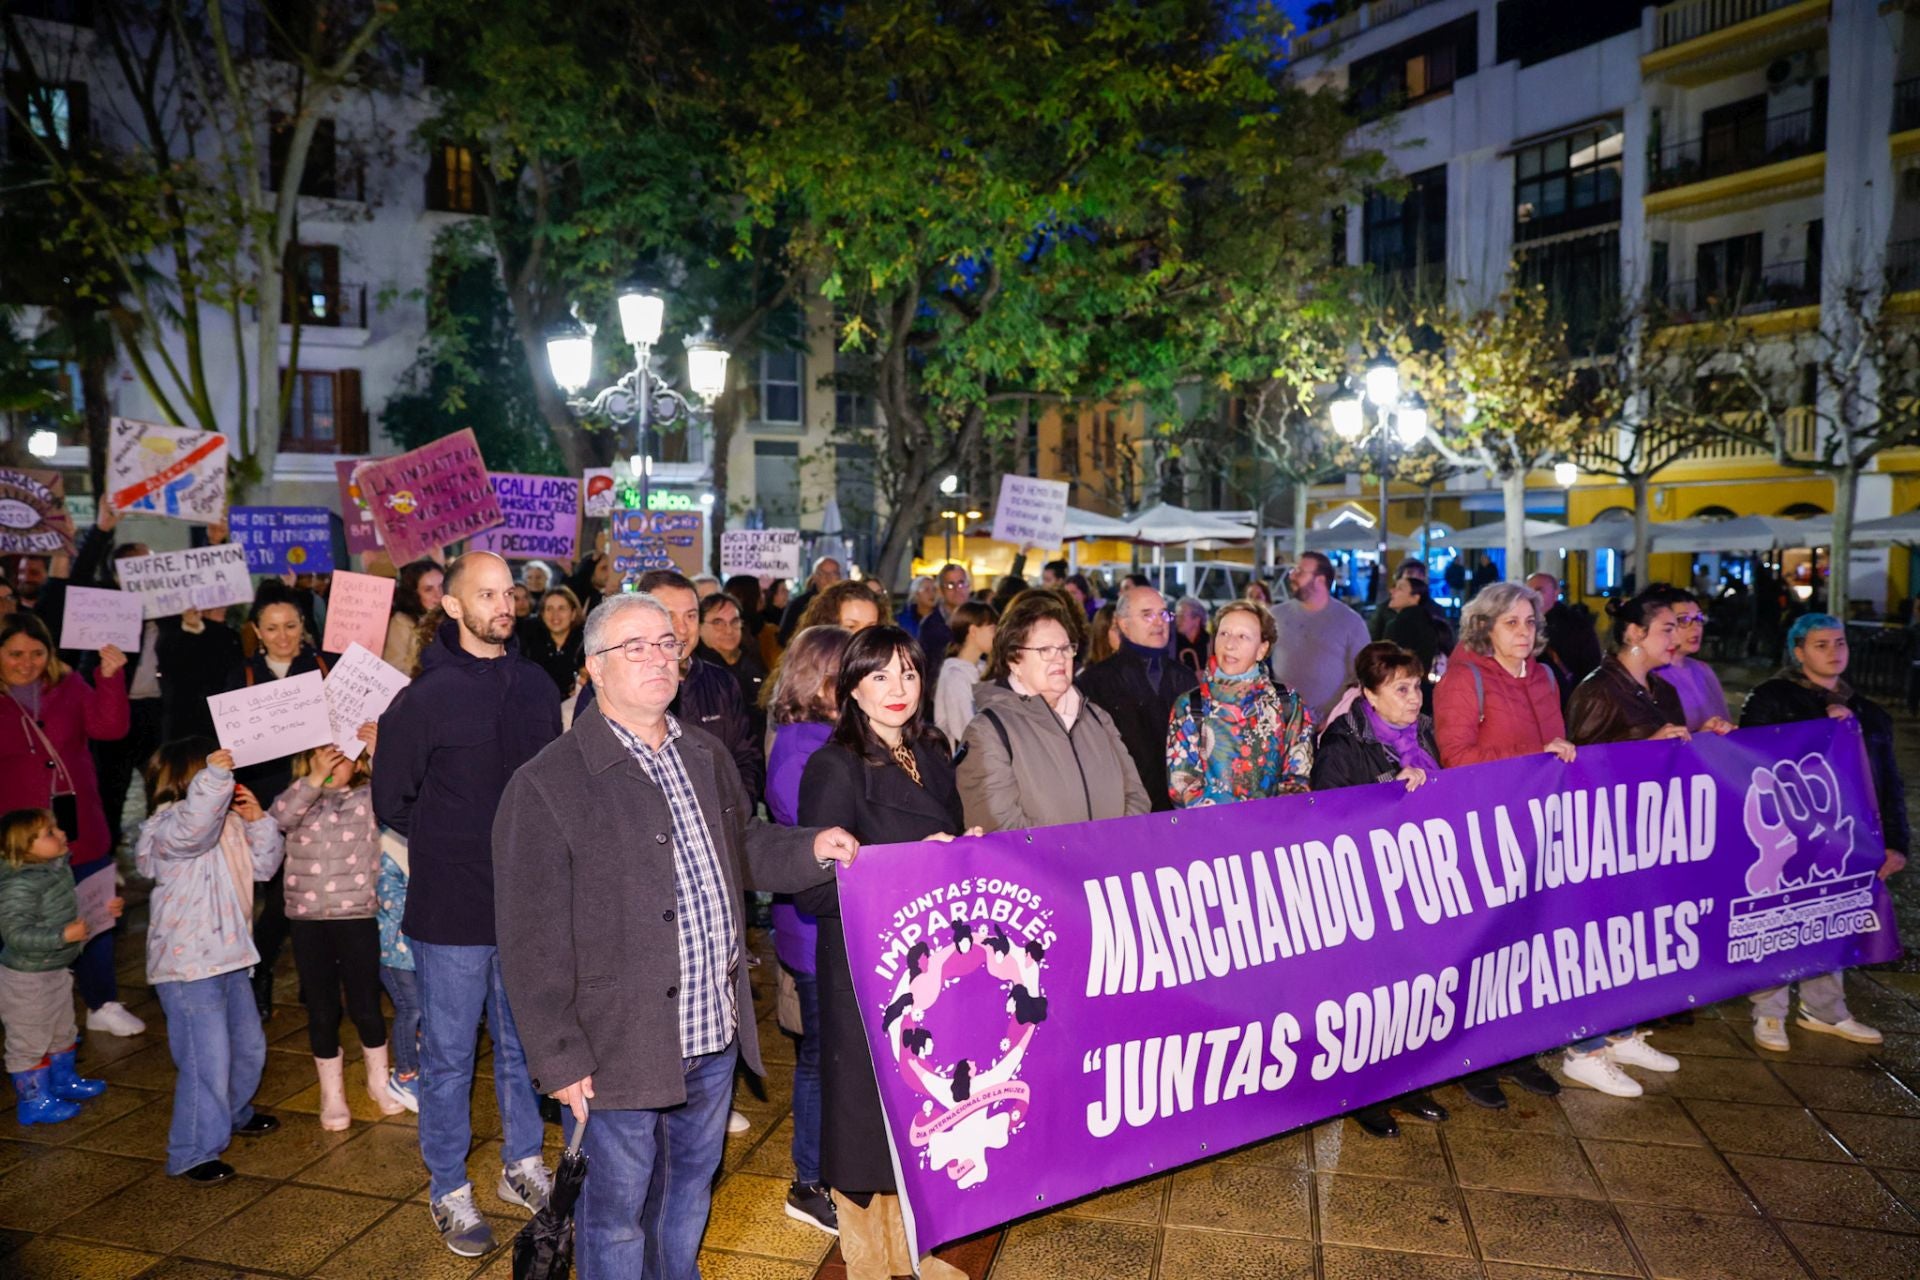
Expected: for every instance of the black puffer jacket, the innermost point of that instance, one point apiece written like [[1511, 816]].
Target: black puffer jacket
[[448, 745], [1790, 697], [1349, 755], [709, 699]]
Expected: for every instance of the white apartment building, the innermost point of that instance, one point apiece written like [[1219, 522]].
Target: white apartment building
[[1696, 152]]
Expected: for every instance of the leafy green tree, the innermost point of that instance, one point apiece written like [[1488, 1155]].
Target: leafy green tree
[[470, 372], [1029, 198]]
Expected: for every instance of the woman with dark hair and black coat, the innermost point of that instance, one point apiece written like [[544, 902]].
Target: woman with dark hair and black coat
[[1382, 737], [886, 777]]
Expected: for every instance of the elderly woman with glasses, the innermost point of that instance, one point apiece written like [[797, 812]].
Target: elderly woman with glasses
[[1699, 688], [1038, 753]]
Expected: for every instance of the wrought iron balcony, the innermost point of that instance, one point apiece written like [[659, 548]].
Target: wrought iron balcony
[[1737, 147]]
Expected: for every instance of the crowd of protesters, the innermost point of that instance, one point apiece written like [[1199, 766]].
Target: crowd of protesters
[[553, 831]]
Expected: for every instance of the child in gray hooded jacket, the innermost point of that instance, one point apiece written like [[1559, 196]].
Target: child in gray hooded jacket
[[205, 846]]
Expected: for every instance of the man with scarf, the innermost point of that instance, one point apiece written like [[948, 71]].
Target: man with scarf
[[1137, 686], [1810, 686]]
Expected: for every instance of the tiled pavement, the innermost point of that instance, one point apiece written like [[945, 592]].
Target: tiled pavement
[[1744, 1165]]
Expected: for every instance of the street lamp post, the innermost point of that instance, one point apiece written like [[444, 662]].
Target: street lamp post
[[1397, 423], [639, 397]]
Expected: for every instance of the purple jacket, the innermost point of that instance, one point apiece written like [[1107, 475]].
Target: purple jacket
[[793, 930]]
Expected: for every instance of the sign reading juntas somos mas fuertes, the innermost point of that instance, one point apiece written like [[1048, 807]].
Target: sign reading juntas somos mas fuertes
[[1060, 1010]]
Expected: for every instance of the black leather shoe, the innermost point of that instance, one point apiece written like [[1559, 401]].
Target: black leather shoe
[[1423, 1105], [210, 1173], [259, 1125], [1532, 1077], [1484, 1093], [1377, 1121]]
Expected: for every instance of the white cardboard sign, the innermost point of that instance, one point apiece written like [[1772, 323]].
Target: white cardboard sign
[[761, 553], [167, 471], [274, 719], [170, 582], [95, 619], [1030, 512], [358, 689]]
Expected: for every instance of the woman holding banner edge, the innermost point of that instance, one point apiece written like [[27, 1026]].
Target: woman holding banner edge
[[1624, 701]]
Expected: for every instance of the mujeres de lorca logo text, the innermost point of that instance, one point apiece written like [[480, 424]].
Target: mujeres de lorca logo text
[[966, 962]]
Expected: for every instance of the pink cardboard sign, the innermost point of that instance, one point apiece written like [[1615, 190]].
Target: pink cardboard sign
[[358, 606], [362, 534], [430, 497]]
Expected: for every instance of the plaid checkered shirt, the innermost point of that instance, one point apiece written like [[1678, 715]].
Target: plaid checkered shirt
[[709, 948]]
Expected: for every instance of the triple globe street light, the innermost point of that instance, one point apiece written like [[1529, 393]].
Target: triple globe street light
[[639, 398]]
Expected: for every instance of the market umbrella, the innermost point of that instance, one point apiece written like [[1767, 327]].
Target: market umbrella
[[1738, 534], [1482, 537], [544, 1248]]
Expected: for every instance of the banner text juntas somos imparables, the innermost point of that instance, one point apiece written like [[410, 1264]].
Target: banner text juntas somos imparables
[[1056, 1011]]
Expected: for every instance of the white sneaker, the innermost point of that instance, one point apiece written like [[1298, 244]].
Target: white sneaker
[[737, 1123], [1636, 1052], [1771, 1033], [1596, 1071], [1847, 1029], [113, 1018]]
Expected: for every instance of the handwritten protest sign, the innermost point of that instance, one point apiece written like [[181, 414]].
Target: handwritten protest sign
[[430, 497], [600, 495], [33, 513], [644, 540], [358, 689], [362, 534], [274, 719], [542, 518], [762, 553], [1030, 512], [284, 539], [198, 578], [167, 471], [95, 619], [358, 607], [93, 898]]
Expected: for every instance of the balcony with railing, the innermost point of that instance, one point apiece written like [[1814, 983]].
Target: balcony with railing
[[1780, 286], [1690, 19], [1906, 105], [1363, 17], [327, 306], [1802, 431], [1737, 147]]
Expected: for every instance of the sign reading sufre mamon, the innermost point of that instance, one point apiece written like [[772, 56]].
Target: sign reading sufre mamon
[[1030, 512], [160, 470], [542, 518], [33, 513], [170, 582], [430, 497], [1055, 1011], [644, 540]]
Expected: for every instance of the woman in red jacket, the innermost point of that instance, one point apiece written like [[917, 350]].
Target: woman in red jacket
[[1496, 701], [49, 716]]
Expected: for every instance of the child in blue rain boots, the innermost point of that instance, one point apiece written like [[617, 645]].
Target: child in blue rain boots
[[42, 931]]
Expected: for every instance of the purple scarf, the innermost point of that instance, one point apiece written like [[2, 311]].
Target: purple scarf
[[1403, 742]]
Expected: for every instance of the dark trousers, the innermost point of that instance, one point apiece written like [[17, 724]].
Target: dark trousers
[[332, 956], [269, 931], [117, 762], [93, 968]]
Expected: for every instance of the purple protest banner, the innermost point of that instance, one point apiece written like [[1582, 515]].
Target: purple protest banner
[[430, 497], [542, 518], [1056, 1011]]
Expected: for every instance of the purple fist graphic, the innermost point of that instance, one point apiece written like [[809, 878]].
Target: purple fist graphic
[[1792, 810]]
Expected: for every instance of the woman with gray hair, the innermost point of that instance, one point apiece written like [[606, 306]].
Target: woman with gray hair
[[1496, 699]]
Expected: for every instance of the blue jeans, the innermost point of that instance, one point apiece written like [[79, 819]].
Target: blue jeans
[[213, 1031], [404, 989], [650, 1188], [457, 987], [806, 1082]]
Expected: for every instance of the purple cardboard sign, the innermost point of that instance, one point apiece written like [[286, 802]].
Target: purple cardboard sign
[[362, 534], [542, 514], [431, 497], [1056, 1011]]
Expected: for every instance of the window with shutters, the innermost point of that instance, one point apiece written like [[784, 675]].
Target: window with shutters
[[450, 180], [325, 414]]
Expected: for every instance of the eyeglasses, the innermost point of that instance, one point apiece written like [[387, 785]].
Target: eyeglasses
[[1690, 619], [638, 650], [958, 584], [1049, 651], [1165, 615]]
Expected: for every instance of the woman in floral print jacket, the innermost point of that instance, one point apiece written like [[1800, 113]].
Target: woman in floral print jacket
[[1239, 736]]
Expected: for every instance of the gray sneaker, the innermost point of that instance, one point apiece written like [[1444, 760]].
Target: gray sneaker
[[460, 1225], [526, 1183]]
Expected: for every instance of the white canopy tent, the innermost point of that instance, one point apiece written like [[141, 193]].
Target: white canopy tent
[[1350, 535], [1613, 532], [1740, 534], [1164, 524], [1482, 537], [1885, 532]]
